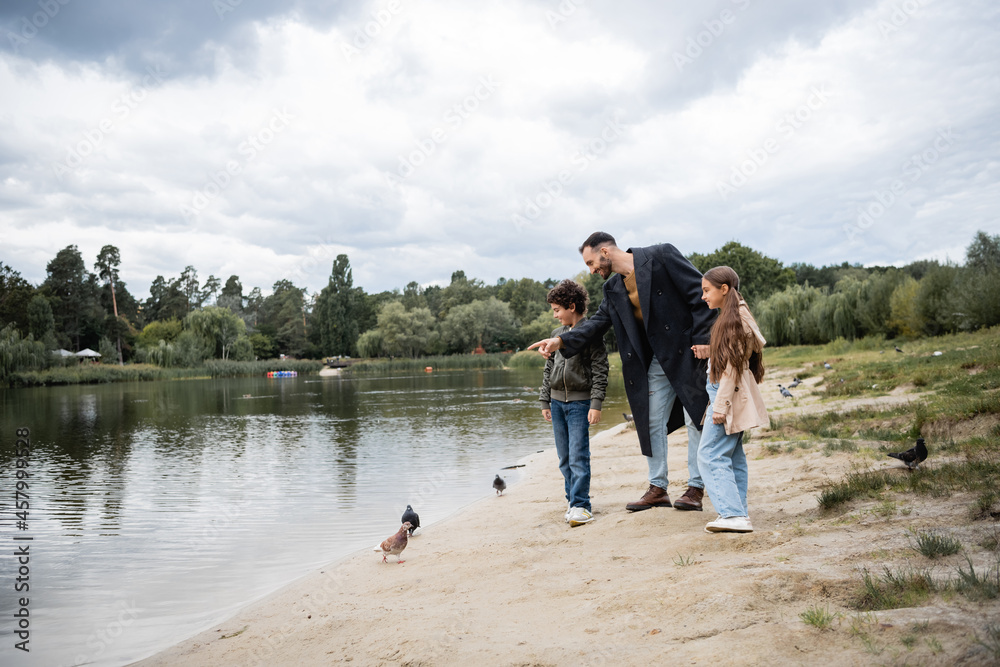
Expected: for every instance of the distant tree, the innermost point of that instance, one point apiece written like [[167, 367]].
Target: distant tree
[[337, 309], [166, 300], [255, 301], [539, 328], [231, 296], [189, 287], [974, 295], [209, 290], [41, 323], [461, 291], [165, 330], [262, 346], [72, 293], [905, 316], [404, 332], [934, 303], [413, 296], [106, 265], [283, 318], [371, 343], [760, 276], [15, 294], [526, 298], [19, 354], [219, 325], [983, 254], [488, 323]]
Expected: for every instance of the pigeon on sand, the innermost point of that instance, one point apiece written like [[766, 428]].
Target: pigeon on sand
[[827, 366], [785, 392], [410, 516], [795, 383], [499, 485], [395, 544], [913, 456]]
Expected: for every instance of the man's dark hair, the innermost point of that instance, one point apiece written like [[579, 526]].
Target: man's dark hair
[[569, 293], [598, 240]]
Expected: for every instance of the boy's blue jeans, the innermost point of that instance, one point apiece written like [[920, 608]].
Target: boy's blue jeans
[[723, 464], [572, 431]]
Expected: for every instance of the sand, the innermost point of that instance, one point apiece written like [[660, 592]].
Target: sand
[[507, 582]]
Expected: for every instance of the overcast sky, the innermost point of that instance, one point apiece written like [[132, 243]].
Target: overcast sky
[[264, 138]]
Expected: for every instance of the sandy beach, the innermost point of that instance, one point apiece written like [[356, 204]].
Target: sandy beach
[[505, 581]]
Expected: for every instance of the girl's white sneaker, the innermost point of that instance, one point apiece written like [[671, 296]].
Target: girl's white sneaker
[[730, 524]]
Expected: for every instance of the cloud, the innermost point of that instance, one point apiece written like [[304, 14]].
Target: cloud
[[421, 139]]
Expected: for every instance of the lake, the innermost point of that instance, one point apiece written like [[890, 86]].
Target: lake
[[158, 509]]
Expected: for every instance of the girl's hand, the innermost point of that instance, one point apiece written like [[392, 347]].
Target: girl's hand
[[594, 417], [700, 351], [718, 418], [547, 414]]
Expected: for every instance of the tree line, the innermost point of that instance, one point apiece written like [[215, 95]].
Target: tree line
[[186, 321]]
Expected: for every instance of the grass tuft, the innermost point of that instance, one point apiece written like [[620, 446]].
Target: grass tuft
[[978, 586], [991, 642], [894, 589], [819, 618], [934, 545]]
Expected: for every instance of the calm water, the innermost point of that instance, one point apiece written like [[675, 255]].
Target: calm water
[[158, 509]]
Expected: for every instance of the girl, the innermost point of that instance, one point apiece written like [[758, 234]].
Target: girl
[[735, 368]]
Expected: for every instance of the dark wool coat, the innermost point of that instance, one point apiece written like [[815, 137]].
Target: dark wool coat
[[675, 318]]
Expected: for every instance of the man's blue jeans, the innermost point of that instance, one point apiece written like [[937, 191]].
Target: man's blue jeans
[[724, 465], [572, 431], [661, 403]]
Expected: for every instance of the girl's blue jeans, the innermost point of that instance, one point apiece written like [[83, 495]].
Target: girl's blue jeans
[[572, 431], [723, 464]]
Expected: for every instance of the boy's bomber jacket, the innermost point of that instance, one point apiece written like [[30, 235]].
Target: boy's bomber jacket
[[579, 378]]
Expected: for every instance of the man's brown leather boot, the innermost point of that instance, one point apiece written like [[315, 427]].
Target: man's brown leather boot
[[691, 500], [654, 497]]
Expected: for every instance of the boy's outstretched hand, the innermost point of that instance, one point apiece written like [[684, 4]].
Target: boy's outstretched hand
[[548, 346]]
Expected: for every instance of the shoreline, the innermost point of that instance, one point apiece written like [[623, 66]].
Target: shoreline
[[505, 581]]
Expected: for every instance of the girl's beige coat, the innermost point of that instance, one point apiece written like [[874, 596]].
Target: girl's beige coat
[[739, 397]]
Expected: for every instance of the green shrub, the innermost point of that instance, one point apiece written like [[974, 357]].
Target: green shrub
[[526, 359]]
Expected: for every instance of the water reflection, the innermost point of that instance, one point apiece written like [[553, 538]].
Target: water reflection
[[183, 501]]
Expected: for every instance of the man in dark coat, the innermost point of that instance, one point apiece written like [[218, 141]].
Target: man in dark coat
[[662, 327]]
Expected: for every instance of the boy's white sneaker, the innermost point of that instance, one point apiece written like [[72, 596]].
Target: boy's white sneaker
[[569, 510], [730, 524], [579, 516]]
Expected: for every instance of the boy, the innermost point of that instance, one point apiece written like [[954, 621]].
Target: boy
[[572, 394]]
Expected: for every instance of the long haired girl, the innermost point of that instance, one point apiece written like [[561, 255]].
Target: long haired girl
[[736, 367]]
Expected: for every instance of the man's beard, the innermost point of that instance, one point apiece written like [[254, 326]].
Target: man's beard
[[604, 267]]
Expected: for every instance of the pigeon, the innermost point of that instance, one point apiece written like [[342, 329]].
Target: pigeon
[[627, 417], [411, 517], [499, 485], [938, 353], [395, 544], [827, 366], [913, 456], [785, 392], [795, 383], [897, 349]]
